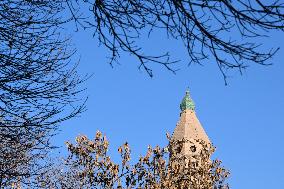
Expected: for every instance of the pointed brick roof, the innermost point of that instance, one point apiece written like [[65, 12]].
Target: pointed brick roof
[[189, 126]]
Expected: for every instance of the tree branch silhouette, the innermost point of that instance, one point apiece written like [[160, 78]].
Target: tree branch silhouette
[[201, 25]]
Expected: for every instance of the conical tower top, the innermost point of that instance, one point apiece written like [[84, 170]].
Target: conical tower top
[[189, 137], [188, 126], [187, 103]]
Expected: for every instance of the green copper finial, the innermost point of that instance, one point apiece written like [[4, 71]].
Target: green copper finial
[[187, 103]]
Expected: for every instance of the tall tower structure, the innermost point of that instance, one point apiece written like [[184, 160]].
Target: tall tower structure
[[189, 137]]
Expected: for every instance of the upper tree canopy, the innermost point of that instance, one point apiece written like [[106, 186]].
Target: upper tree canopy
[[224, 32]]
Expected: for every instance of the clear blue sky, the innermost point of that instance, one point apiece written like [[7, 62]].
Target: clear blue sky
[[244, 120]]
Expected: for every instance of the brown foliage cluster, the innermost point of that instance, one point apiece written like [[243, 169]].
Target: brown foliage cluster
[[89, 166]]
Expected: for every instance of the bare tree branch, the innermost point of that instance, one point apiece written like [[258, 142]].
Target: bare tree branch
[[223, 31], [38, 83]]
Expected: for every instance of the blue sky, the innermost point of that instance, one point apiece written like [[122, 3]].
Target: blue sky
[[244, 120]]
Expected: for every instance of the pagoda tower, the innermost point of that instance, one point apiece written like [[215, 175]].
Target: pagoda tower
[[189, 137], [190, 150]]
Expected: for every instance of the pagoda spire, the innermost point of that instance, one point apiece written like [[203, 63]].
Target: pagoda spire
[[188, 129]]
